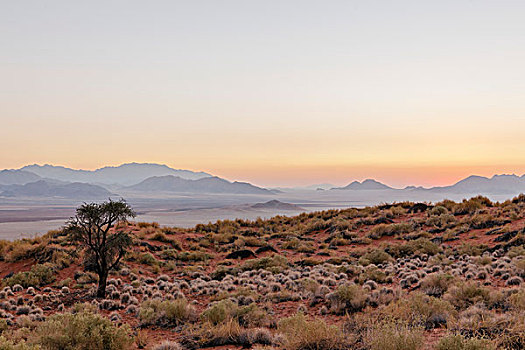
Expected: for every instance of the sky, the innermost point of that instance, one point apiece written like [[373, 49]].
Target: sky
[[272, 92]]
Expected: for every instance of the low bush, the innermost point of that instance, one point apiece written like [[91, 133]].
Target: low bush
[[376, 256], [228, 333], [39, 275], [147, 259], [347, 298], [418, 246], [383, 230], [464, 294], [166, 313], [517, 300], [373, 273], [224, 310], [84, 330], [301, 334], [6, 344], [442, 221], [162, 237], [420, 310], [436, 284], [193, 256], [394, 336], [274, 263], [459, 342]]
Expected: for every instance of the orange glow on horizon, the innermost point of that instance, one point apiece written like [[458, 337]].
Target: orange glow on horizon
[[398, 177], [283, 175]]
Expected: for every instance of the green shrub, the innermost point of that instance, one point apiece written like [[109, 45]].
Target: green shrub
[[162, 237], [479, 221], [6, 344], [376, 256], [166, 313], [471, 205], [441, 221], [436, 284], [39, 275], [274, 263], [339, 241], [373, 273], [418, 246], [421, 310], [142, 224], [377, 231], [464, 294], [147, 259], [516, 251], [395, 336], [253, 242], [471, 249], [224, 310], [348, 298], [81, 331], [438, 210], [517, 300], [229, 333], [193, 256], [302, 334], [459, 342], [23, 249]]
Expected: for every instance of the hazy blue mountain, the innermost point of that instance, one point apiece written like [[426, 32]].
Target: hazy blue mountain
[[170, 183], [49, 189], [17, 177], [368, 184], [472, 185], [125, 174], [498, 184]]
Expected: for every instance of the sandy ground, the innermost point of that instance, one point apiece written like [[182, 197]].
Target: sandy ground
[[28, 229]]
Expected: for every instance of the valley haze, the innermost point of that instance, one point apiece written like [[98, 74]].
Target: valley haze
[[38, 198]]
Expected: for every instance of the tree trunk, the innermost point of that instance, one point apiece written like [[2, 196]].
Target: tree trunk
[[102, 281]]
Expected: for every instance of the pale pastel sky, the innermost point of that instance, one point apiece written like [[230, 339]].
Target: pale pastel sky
[[271, 92]]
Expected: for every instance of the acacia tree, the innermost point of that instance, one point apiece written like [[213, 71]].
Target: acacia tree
[[95, 229]]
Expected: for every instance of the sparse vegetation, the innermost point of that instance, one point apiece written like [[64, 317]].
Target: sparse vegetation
[[448, 276]]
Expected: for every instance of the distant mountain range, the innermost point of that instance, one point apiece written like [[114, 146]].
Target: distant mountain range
[[43, 188], [214, 184], [125, 174], [17, 177], [57, 181], [497, 184]]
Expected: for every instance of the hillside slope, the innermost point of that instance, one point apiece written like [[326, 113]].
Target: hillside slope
[[350, 278]]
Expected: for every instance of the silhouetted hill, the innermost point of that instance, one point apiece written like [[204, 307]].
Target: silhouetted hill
[[125, 174], [472, 185], [213, 184], [368, 184], [17, 177], [43, 188], [498, 184]]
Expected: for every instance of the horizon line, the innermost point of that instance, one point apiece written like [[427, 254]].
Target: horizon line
[[213, 174]]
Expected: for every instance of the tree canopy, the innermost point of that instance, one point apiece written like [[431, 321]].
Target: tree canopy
[[95, 229]]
